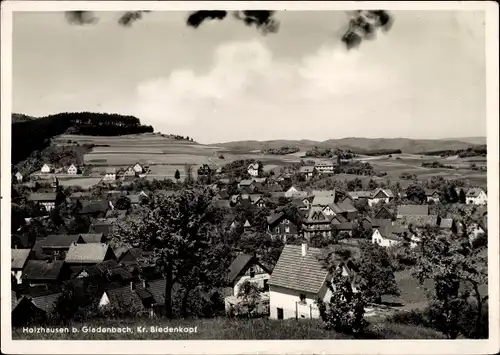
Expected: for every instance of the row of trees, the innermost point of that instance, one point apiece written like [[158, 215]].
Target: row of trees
[[35, 134]]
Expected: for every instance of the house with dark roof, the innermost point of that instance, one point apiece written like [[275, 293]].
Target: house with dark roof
[[136, 257], [19, 258], [85, 254], [384, 213], [47, 272], [412, 210], [57, 245], [48, 200], [95, 209], [297, 280], [280, 226], [380, 195], [103, 225], [448, 224], [143, 297], [23, 311], [245, 268], [293, 192]]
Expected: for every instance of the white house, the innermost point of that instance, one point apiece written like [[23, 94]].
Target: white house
[[476, 196], [389, 235], [253, 169], [296, 281], [433, 195], [138, 168], [46, 169], [72, 170], [19, 177], [109, 174], [307, 171]]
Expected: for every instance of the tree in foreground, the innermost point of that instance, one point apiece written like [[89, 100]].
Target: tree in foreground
[[182, 233], [345, 311], [362, 24], [249, 297], [376, 273], [458, 269]]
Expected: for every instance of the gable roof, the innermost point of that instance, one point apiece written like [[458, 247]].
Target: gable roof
[[392, 232], [94, 206], [19, 258], [276, 217], [46, 302], [297, 272], [430, 192], [474, 192], [323, 198], [413, 210], [239, 264], [446, 223], [386, 192], [60, 241], [87, 253], [92, 237], [246, 182], [417, 221], [306, 169], [42, 269], [43, 196], [254, 166], [384, 209]]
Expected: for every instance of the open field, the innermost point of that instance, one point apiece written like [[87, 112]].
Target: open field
[[84, 182], [229, 329], [166, 155]]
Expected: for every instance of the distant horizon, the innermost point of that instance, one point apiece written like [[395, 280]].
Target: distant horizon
[[270, 140]]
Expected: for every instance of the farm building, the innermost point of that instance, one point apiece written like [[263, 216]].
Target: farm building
[[92, 238], [384, 213], [297, 280], [373, 197]]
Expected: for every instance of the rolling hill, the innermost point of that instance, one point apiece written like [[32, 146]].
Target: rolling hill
[[362, 144]]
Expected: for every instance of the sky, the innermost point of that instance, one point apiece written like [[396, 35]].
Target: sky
[[224, 81]]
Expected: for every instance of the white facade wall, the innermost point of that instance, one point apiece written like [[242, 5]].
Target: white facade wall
[[258, 279], [45, 169], [374, 201], [17, 274], [109, 177], [104, 301], [377, 238], [288, 300], [253, 172], [49, 206], [482, 199]]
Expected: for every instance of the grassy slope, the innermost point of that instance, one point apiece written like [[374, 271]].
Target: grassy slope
[[230, 329]]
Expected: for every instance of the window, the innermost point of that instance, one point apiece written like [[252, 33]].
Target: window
[[252, 272], [287, 229], [280, 313], [302, 298], [266, 286]]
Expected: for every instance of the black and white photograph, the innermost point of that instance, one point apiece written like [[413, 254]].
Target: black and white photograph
[[316, 174]]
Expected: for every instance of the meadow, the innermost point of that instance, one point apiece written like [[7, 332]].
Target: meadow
[[230, 329]]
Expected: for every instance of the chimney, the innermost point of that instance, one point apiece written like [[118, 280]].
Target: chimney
[[132, 287], [304, 249]]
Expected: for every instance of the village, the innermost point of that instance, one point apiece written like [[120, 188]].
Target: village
[[302, 223]]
